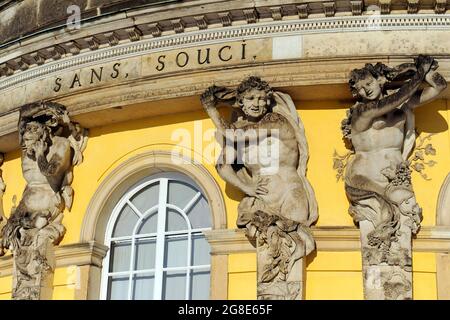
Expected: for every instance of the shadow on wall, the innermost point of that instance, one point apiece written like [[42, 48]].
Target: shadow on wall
[[428, 118]]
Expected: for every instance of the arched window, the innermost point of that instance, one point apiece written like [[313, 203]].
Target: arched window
[[157, 248]]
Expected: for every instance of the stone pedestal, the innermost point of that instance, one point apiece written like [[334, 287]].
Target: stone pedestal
[[34, 265], [280, 247], [387, 272], [291, 289]]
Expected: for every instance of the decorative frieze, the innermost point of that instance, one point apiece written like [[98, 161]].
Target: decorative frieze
[[155, 30], [202, 22], [357, 7], [113, 38], [39, 57], [251, 15], [303, 11], [22, 63], [93, 42], [8, 68], [134, 34], [329, 9], [413, 6], [440, 6], [178, 25], [276, 13], [12, 74], [57, 52], [385, 6], [225, 18], [74, 48]]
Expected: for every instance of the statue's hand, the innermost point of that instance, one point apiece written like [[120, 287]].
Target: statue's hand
[[425, 63], [214, 94], [39, 148], [208, 98], [259, 189]]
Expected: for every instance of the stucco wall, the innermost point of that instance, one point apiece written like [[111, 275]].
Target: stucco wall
[[330, 275]]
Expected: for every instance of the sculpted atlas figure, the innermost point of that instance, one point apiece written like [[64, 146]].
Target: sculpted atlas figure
[[380, 129], [264, 155], [51, 146]]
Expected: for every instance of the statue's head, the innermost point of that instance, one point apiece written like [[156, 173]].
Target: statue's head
[[368, 83], [34, 131], [39, 117], [254, 97]]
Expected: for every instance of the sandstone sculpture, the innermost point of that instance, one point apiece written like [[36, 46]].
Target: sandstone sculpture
[[51, 146], [264, 154], [380, 130]]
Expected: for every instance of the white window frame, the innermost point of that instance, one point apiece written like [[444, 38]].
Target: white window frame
[[161, 234]]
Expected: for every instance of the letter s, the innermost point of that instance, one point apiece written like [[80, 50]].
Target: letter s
[[161, 65], [115, 74], [58, 85]]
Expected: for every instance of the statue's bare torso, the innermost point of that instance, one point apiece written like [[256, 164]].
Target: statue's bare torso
[[43, 185], [261, 158], [277, 167], [378, 147]]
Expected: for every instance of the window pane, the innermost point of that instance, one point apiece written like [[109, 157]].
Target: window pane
[[149, 224], [146, 198], [175, 221], [175, 254], [200, 285], [143, 286], [180, 193], [145, 254], [174, 285], [125, 223], [118, 288], [200, 250], [199, 215], [120, 256]]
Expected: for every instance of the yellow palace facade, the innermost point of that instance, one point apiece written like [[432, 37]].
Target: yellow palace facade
[[132, 72]]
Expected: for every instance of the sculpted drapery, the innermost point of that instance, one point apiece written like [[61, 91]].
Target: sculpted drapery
[[264, 155], [380, 130]]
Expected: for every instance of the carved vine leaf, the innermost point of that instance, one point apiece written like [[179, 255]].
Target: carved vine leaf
[[418, 160], [340, 163]]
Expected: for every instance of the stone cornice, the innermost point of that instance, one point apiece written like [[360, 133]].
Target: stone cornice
[[89, 50], [149, 24], [429, 239], [79, 254]]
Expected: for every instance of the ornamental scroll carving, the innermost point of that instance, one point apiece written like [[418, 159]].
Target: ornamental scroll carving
[[264, 154], [51, 146], [380, 131]]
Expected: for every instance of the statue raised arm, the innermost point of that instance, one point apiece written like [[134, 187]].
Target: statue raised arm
[[264, 154], [380, 129]]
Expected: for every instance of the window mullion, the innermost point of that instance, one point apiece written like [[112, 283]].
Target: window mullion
[[192, 202], [130, 278], [188, 272], [160, 241]]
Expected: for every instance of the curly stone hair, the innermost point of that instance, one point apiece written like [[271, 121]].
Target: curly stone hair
[[253, 82], [377, 71]]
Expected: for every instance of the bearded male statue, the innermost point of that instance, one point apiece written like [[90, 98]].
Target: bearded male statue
[[264, 155], [51, 145]]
